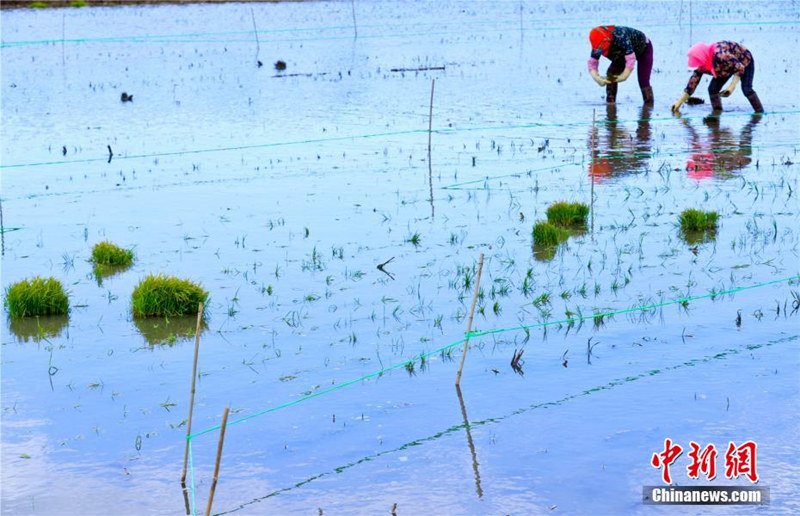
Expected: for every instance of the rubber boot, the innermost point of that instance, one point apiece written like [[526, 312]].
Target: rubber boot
[[647, 96], [755, 102], [611, 93], [716, 103]]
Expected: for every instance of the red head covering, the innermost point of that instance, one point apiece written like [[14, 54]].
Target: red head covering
[[600, 38], [701, 55]]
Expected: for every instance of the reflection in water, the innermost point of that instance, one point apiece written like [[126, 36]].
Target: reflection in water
[[38, 328], [101, 272], [720, 153], [471, 443], [623, 153], [167, 330]]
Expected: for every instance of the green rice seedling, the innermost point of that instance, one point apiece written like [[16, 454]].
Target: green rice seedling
[[567, 214], [167, 296], [415, 239], [697, 220], [106, 253], [698, 226], [546, 234], [37, 296]]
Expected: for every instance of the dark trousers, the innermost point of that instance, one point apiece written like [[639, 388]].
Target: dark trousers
[[644, 65], [716, 84]]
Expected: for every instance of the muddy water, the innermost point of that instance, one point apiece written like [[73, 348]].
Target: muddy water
[[281, 192]]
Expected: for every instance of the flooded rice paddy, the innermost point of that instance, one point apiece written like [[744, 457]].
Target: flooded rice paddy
[[281, 192]]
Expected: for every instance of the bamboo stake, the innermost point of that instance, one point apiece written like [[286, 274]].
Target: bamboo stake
[[471, 316], [255, 33], [191, 396], [219, 457], [591, 168], [430, 127], [355, 27]]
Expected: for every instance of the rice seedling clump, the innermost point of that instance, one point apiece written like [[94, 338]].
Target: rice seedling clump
[[106, 253], [168, 296], [567, 214], [697, 220], [37, 296], [546, 234]]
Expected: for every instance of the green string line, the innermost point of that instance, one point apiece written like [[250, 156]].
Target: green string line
[[625, 156], [8, 230], [161, 37], [445, 130], [325, 391], [646, 308], [493, 332]]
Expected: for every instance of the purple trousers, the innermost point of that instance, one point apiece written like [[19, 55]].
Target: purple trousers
[[644, 65]]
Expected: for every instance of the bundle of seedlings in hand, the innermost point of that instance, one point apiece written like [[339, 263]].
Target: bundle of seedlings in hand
[[162, 295], [37, 296]]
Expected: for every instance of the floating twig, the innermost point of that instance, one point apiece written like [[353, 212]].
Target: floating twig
[[420, 69], [517, 362], [382, 265]]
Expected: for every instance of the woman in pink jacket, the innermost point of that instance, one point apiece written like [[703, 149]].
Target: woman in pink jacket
[[723, 60]]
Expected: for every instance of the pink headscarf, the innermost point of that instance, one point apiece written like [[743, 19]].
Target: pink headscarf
[[700, 56]]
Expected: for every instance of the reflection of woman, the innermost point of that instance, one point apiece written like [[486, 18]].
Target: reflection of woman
[[624, 46], [723, 60], [721, 153], [622, 152]]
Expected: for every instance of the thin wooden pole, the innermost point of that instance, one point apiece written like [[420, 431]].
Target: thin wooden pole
[[430, 128], [219, 457], [355, 26], [471, 316], [430, 117], [191, 396], [255, 33], [592, 169]]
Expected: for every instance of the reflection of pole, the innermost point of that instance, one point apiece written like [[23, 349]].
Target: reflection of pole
[[471, 443], [430, 127], [471, 315], [191, 403], [219, 457], [591, 169]]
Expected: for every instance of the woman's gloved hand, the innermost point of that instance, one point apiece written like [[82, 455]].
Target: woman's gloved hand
[[678, 103], [730, 89], [621, 77], [599, 79]]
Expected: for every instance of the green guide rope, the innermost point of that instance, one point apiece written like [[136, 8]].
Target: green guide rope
[[188, 37], [571, 320], [445, 130]]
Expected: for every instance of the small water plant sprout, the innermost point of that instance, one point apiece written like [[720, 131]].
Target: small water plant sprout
[[37, 296], [567, 214], [697, 225], [167, 296]]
